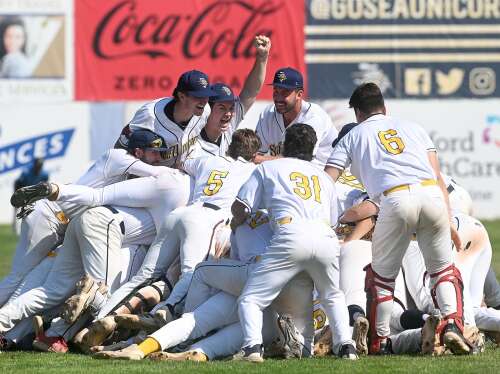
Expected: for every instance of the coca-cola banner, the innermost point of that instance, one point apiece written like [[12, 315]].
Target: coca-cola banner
[[130, 49]]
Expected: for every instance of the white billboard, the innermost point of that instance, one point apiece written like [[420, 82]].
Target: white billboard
[[57, 133]]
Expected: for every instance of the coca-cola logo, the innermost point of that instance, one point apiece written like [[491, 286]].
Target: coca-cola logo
[[124, 31]]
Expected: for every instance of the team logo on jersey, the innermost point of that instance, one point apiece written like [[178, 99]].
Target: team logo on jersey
[[491, 134], [203, 82], [281, 76]]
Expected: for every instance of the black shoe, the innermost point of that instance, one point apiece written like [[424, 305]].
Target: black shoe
[[455, 341], [253, 353], [348, 352], [5, 344], [29, 194]]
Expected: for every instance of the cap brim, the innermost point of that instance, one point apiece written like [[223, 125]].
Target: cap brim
[[288, 86], [161, 149], [207, 92]]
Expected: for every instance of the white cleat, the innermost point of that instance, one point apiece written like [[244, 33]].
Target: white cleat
[[130, 353], [251, 354], [194, 356], [86, 289], [360, 335]]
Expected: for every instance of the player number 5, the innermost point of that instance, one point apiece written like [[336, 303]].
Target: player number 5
[[392, 143], [214, 182]]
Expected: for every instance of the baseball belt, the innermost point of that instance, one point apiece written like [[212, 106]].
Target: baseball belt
[[114, 211], [211, 206], [426, 182]]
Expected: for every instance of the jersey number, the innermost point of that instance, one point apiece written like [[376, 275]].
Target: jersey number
[[391, 142], [303, 186], [214, 182]]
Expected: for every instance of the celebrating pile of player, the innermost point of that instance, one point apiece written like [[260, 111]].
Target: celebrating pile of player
[[195, 240]]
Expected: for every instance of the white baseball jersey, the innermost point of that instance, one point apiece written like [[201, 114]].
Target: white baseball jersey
[[205, 147], [139, 226], [460, 199], [384, 152], [289, 187], [112, 167], [179, 140], [271, 130], [218, 179]]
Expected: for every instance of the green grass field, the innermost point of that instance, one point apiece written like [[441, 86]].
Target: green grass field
[[488, 362]]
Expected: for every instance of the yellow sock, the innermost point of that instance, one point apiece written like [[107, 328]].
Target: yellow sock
[[149, 345]]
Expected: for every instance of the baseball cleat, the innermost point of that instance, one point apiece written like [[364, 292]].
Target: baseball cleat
[[86, 289], [291, 337], [45, 343], [30, 194], [360, 334], [348, 352], [323, 342], [430, 337], [455, 341], [99, 331], [251, 354], [145, 322], [5, 344], [164, 315], [494, 336], [132, 352], [183, 356]]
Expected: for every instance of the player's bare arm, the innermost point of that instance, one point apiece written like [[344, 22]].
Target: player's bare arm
[[333, 172], [359, 212], [433, 159], [240, 214], [260, 158], [255, 79], [361, 228]]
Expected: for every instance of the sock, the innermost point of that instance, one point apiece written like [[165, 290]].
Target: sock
[[149, 345]]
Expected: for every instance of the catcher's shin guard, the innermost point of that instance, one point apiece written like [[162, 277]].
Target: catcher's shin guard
[[143, 300], [378, 290], [449, 274]]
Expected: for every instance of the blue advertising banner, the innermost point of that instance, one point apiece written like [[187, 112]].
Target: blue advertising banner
[[22, 153], [411, 48]]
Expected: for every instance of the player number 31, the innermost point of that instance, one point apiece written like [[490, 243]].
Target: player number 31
[[303, 186]]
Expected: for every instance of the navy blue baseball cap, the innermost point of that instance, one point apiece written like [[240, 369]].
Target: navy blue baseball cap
[[222, 93], [288, 78], [147, 140], [343, 132], [195, 83]]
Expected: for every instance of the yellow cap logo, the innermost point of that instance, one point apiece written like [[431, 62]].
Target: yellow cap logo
[[281, 76]]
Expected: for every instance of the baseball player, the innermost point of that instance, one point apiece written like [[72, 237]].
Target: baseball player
[[207, 309], [397, 163], [289, 109], [43, 229], [303, 203], [177, 119], [191, 228], [181, 118], [92, 246], [227, 110]]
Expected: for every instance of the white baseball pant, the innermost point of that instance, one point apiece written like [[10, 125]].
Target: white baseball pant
[[492, 289], [131, 258], [301, 245], [92, 245], [421, 210], [41, 232]]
